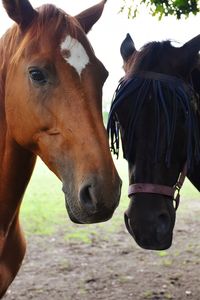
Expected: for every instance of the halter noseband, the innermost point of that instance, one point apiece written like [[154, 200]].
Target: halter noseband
[[160, 189]]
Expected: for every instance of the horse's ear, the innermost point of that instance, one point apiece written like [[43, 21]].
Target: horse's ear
[[127, 48], [190, 51], [193, 46], [20, 11], [90, 16]]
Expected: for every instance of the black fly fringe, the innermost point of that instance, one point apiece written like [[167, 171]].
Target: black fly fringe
[[168, 94]]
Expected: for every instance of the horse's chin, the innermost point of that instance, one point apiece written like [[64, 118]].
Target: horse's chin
[[151, 245], [146, 241], [81, 217], [73, 219], [88, 219], [71, 214]]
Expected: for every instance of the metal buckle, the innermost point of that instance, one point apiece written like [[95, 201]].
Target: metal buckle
[[176, 197]]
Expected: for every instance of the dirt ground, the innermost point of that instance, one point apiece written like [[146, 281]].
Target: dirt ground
[[112, 269]]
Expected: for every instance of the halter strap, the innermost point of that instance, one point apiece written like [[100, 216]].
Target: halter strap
[[160, 189]]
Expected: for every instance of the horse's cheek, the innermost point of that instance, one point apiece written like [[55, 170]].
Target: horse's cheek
[[19, 124]]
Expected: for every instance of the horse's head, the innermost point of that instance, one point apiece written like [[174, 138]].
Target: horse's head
[[53, 103], [156, 111]]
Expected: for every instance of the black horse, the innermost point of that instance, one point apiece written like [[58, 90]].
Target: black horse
[[156, 111]]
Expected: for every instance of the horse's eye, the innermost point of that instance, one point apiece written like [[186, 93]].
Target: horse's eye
[[37, 76]]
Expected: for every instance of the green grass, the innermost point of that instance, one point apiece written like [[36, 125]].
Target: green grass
[[43, 208]]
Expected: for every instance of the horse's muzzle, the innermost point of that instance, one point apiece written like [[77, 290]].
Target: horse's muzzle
[[148, 241], [150, 220], [93, 200]]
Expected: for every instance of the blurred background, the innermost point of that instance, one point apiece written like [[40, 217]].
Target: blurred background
[[43, 212]]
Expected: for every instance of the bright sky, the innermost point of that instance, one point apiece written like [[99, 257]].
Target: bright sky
[[108, 33]]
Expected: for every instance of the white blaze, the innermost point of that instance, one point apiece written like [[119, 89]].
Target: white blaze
[[77, 57]]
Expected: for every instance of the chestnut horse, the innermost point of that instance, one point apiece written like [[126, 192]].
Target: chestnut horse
[[156, 110], [50, 106]]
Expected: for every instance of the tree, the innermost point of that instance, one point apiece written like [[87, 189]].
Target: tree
[[162, 8]]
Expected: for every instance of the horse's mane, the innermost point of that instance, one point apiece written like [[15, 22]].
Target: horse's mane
[[149, 56], [167, 93]]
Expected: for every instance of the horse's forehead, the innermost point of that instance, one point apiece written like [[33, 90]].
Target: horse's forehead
[[74, 53], [73, 47]]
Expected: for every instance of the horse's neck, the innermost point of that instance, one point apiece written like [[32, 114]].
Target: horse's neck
[[15, 171], [195, 78], [196, 81], [16, 163], [194, 176]]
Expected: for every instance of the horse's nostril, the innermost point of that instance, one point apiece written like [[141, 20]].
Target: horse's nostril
[[163, 226], [87, 198]]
